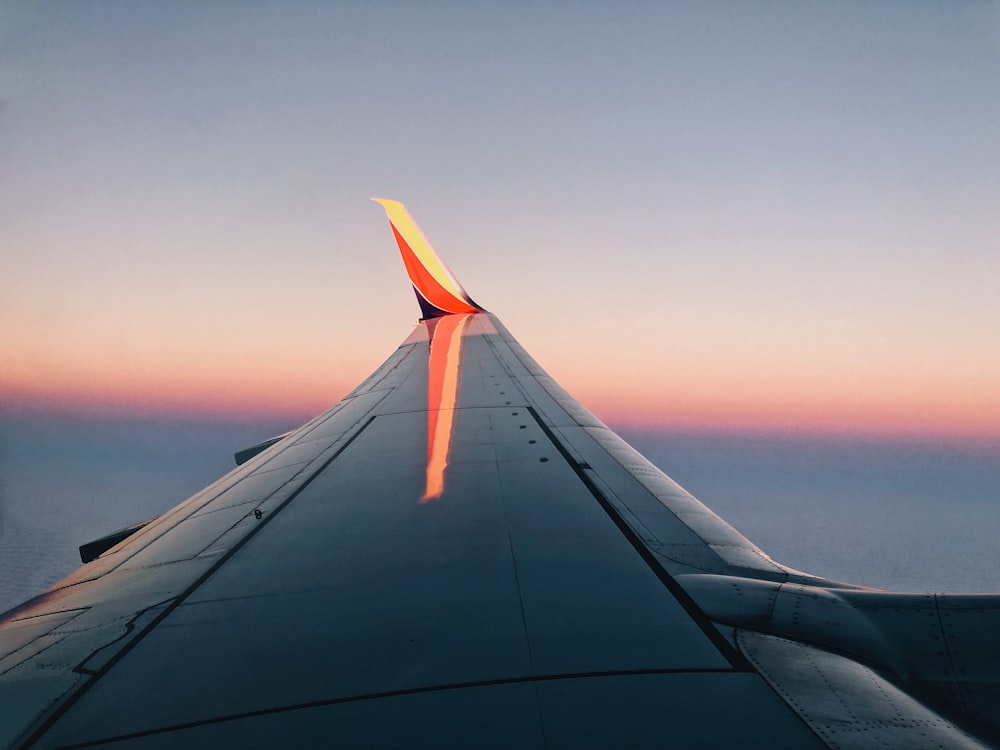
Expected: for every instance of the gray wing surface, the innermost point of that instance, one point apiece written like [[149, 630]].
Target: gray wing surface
[[459, 553]]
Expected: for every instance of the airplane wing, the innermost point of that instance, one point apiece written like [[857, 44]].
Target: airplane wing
[[459, 554]]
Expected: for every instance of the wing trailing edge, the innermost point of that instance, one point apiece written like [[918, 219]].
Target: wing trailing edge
[[438, 292]]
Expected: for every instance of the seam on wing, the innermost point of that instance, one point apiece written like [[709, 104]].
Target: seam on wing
[[395, 694], [725, 648]]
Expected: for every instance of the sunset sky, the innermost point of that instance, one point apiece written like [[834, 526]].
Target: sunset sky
[[748, 216]]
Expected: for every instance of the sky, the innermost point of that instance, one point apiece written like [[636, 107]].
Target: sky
[[771, 216], [745, 222]]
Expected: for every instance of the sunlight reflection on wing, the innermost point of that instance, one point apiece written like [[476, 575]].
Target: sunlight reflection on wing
[[442, 391]]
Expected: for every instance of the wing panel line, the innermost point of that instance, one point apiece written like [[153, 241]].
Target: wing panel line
[[396, 694], [731, 654]]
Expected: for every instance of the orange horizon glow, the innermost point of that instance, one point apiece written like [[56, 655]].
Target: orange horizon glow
[[859, 414], [206, 402], [676, 409], [654, 391]]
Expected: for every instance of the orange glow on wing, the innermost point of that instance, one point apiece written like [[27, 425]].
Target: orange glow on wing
[[442, 392]]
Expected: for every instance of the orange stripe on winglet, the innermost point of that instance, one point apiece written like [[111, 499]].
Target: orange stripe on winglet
[[425, 283], [433, 280]]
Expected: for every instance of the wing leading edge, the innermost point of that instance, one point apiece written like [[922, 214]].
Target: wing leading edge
[[459, 551]]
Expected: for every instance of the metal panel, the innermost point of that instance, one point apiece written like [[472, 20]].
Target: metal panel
[[846, 703], [487, 717], [635, 711], [670, 711], [514, 571]]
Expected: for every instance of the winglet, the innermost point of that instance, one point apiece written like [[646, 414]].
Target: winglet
[[438, 291]]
